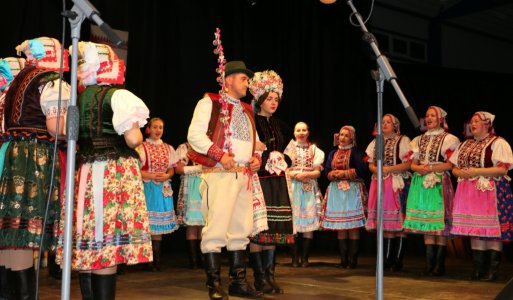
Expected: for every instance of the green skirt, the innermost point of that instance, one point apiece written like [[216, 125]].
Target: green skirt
[[24, 189]]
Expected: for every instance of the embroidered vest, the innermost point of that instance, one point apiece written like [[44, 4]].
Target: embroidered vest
[[434, 153], [476, 154], [215, 130], [97, 138], [22, 101]]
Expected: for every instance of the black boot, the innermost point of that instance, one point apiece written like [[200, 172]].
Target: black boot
[[261, 283], [305, 249], [295, 252], [5, 284], [342, 248], [269, 261], [213, 271], [400, 247], [439, 269], [479, 264], [24, 284], [495, 259], [430, 259], [353, 253], [155, 265], [53, 268], [389, 257], [103, 286], [193, 254], [238, 284], [86, 288]]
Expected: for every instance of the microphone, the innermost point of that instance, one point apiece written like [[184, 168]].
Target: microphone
[[92, 14]]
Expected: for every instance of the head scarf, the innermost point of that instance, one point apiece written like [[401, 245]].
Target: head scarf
[[47, 52], [488, 118], [441, 115], [352, 135], [395, 121], [109, 67]]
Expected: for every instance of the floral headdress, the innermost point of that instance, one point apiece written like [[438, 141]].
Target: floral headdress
[[225, 114], [265, 82]]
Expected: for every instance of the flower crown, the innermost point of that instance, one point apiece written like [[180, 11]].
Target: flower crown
[[265, 82]]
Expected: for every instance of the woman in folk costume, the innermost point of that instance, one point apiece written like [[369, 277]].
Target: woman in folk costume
[[111, 221], [267, 90], [158, 160], [483, 201], [188, 206], [429, 205], [396, 181], [34, 118], [306, 198], [9, 68], [346, 195]]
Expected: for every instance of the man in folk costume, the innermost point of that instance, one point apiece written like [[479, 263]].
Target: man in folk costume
[[223, 137]]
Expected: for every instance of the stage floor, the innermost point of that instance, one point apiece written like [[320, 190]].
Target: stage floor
[[321, 280]]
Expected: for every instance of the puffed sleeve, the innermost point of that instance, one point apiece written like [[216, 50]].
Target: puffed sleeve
[[49, 99], [318, 157], [414, 145], [501, 153], [453, 159], [128, 109], [181, 153], [371, 151], [450, 144], [290, 150], [142, 154], [173, 157], [405, 152]]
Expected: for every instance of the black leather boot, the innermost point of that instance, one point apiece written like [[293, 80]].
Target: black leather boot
[[86, 288], [439, 269], [213, 270], [53, 268], [430, 259], [295, 252], [238, 284], [389, 257], [155, 265], [269, 261], [342, 248], [24, 284], [353, 253], [103, 286], [193, 254], [400, 248], [261, 283], [5, 283], [479, 258], [305, 251], [495, 259]]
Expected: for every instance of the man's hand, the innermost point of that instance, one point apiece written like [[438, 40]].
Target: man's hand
[[227, 161], [254, 164]]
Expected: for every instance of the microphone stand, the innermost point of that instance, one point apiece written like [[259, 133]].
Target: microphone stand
[[76, 16], [384, 71]]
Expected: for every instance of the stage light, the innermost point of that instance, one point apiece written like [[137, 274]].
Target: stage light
[[328, 1]]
